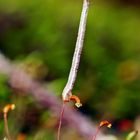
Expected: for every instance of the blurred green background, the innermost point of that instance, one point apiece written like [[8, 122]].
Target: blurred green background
[[40, 36]]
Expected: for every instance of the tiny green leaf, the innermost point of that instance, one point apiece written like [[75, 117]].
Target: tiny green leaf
[[132, 135]]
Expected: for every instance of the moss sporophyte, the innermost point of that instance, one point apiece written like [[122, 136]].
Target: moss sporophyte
[[102, 123], [6, 109]]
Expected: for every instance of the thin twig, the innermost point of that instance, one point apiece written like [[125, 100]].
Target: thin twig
[[75, 62], [77, 54]]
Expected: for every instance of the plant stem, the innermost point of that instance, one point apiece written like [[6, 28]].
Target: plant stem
[[60, 121], [77, 53], [6, 127], [97, 131], [75, 62]]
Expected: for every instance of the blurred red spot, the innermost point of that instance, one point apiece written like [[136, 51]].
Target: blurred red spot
[[21, 137], [125, 125]]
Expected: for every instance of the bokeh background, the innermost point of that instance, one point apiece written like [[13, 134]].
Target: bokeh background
[[40, 36]]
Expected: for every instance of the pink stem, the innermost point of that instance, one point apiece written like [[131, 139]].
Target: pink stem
[[95, 135], [60, 121]]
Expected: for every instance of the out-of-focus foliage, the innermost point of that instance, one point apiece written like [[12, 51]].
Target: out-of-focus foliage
[[132, 135], [40, 36]]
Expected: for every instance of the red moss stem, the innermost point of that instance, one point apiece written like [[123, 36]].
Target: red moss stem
[[97, 131], [60, 121]]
